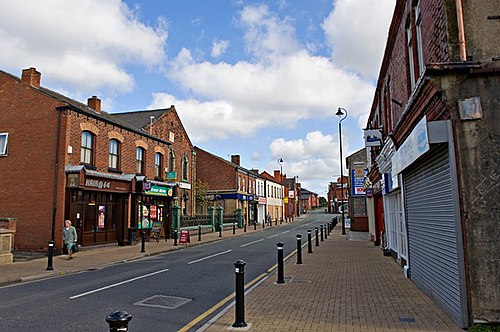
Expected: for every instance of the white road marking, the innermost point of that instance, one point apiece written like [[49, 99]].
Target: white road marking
[[250, 243], [270, 237], [214, 255], [117, 284]]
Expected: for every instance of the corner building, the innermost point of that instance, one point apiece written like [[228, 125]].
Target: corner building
[[62, 159]]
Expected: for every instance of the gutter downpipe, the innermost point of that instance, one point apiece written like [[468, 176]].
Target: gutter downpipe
[[461, 31], [54, 207]]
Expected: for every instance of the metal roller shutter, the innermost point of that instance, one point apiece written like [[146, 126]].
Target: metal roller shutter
[[434, 235]]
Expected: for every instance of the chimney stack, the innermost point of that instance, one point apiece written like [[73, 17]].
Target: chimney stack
[[235, 159], [31, 77], [94, 103], [277, 176]]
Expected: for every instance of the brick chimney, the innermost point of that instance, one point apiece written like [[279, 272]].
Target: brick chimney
[[94, 103], [277, 176], [255, 171], [31, 77], [235, 159]]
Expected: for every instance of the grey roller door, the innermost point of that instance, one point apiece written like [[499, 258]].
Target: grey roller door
[[434, 236]]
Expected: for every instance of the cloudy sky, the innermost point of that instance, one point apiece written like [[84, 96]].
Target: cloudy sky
[[262, 79]]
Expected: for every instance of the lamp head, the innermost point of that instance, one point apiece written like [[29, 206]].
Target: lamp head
[[280, 160], [339, 112]]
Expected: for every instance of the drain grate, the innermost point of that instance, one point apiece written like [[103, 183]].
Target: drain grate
[[164, 302], [407, 319]]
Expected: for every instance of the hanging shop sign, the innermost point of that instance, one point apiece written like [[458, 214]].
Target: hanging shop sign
[[373, 137]]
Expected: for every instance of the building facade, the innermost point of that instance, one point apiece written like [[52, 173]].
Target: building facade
[[436, 102], [79, 163]]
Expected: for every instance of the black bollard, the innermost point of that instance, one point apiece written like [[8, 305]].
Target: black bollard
[[321, 233], [199, 232], [234, 228], [118, 321], [317, 236], [309, 242], [263, 223], [51, 256], [276, 222], [326, 232], [220, 230], [245, 227], [255, 225], [299, 249], [281, 276], [175, 237], [239, 268], [143, 241]]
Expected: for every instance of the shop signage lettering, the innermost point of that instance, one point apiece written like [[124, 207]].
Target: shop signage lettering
[[159, 191], [97, 184]]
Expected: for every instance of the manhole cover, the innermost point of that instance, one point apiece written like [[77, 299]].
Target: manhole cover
[[163, 301]]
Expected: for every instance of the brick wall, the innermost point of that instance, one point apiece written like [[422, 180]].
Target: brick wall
[[27, 177]]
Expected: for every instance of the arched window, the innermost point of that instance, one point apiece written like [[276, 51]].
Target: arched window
[[184, 168], [114, 154], [87, 148], [140, 158], [158, 165]]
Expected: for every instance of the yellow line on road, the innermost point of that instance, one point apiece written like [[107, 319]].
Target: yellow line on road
[[217, 306]]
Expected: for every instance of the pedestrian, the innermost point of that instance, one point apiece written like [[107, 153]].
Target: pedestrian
[[69, 237]]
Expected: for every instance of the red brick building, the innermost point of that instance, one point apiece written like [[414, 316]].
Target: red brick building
[[337, 195], [227, 184], [179, 168], [436, 105], [62, 159]]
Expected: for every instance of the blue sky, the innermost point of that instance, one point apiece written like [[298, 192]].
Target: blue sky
[[262, 79]]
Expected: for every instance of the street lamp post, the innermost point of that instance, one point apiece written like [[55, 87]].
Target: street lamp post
[[280, 161], [341, 115]]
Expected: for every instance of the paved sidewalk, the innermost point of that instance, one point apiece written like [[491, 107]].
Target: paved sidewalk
[[342, 286], [88, 258]]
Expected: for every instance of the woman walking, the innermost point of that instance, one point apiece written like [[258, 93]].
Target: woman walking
[[69, 237]]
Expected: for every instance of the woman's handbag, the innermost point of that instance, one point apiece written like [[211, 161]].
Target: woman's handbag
[[75, 247]]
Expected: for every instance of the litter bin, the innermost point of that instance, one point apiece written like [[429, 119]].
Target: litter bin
[[132, 236]]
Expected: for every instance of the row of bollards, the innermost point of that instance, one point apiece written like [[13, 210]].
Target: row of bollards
[[119, 320], [239, 267]]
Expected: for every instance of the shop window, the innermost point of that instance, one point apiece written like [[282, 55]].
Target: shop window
[[185, 168], [4, 137], [158, 165], [87, 148], [139, 160], [114, 157]]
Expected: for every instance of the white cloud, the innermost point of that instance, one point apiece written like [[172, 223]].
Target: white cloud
[[219, 47], [265, 34], [84, 45], [356, 31], [313, 158]]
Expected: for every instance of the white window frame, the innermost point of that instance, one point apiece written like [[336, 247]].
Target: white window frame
[[3, 146], [420, 45], [411, 61]]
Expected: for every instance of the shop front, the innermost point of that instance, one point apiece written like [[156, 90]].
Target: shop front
[[151, 208], [97, 205]]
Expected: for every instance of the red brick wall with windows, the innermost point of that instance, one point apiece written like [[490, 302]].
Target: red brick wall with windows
[[27, 171]]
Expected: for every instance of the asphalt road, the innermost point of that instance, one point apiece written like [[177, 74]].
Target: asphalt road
[[162, 293]]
